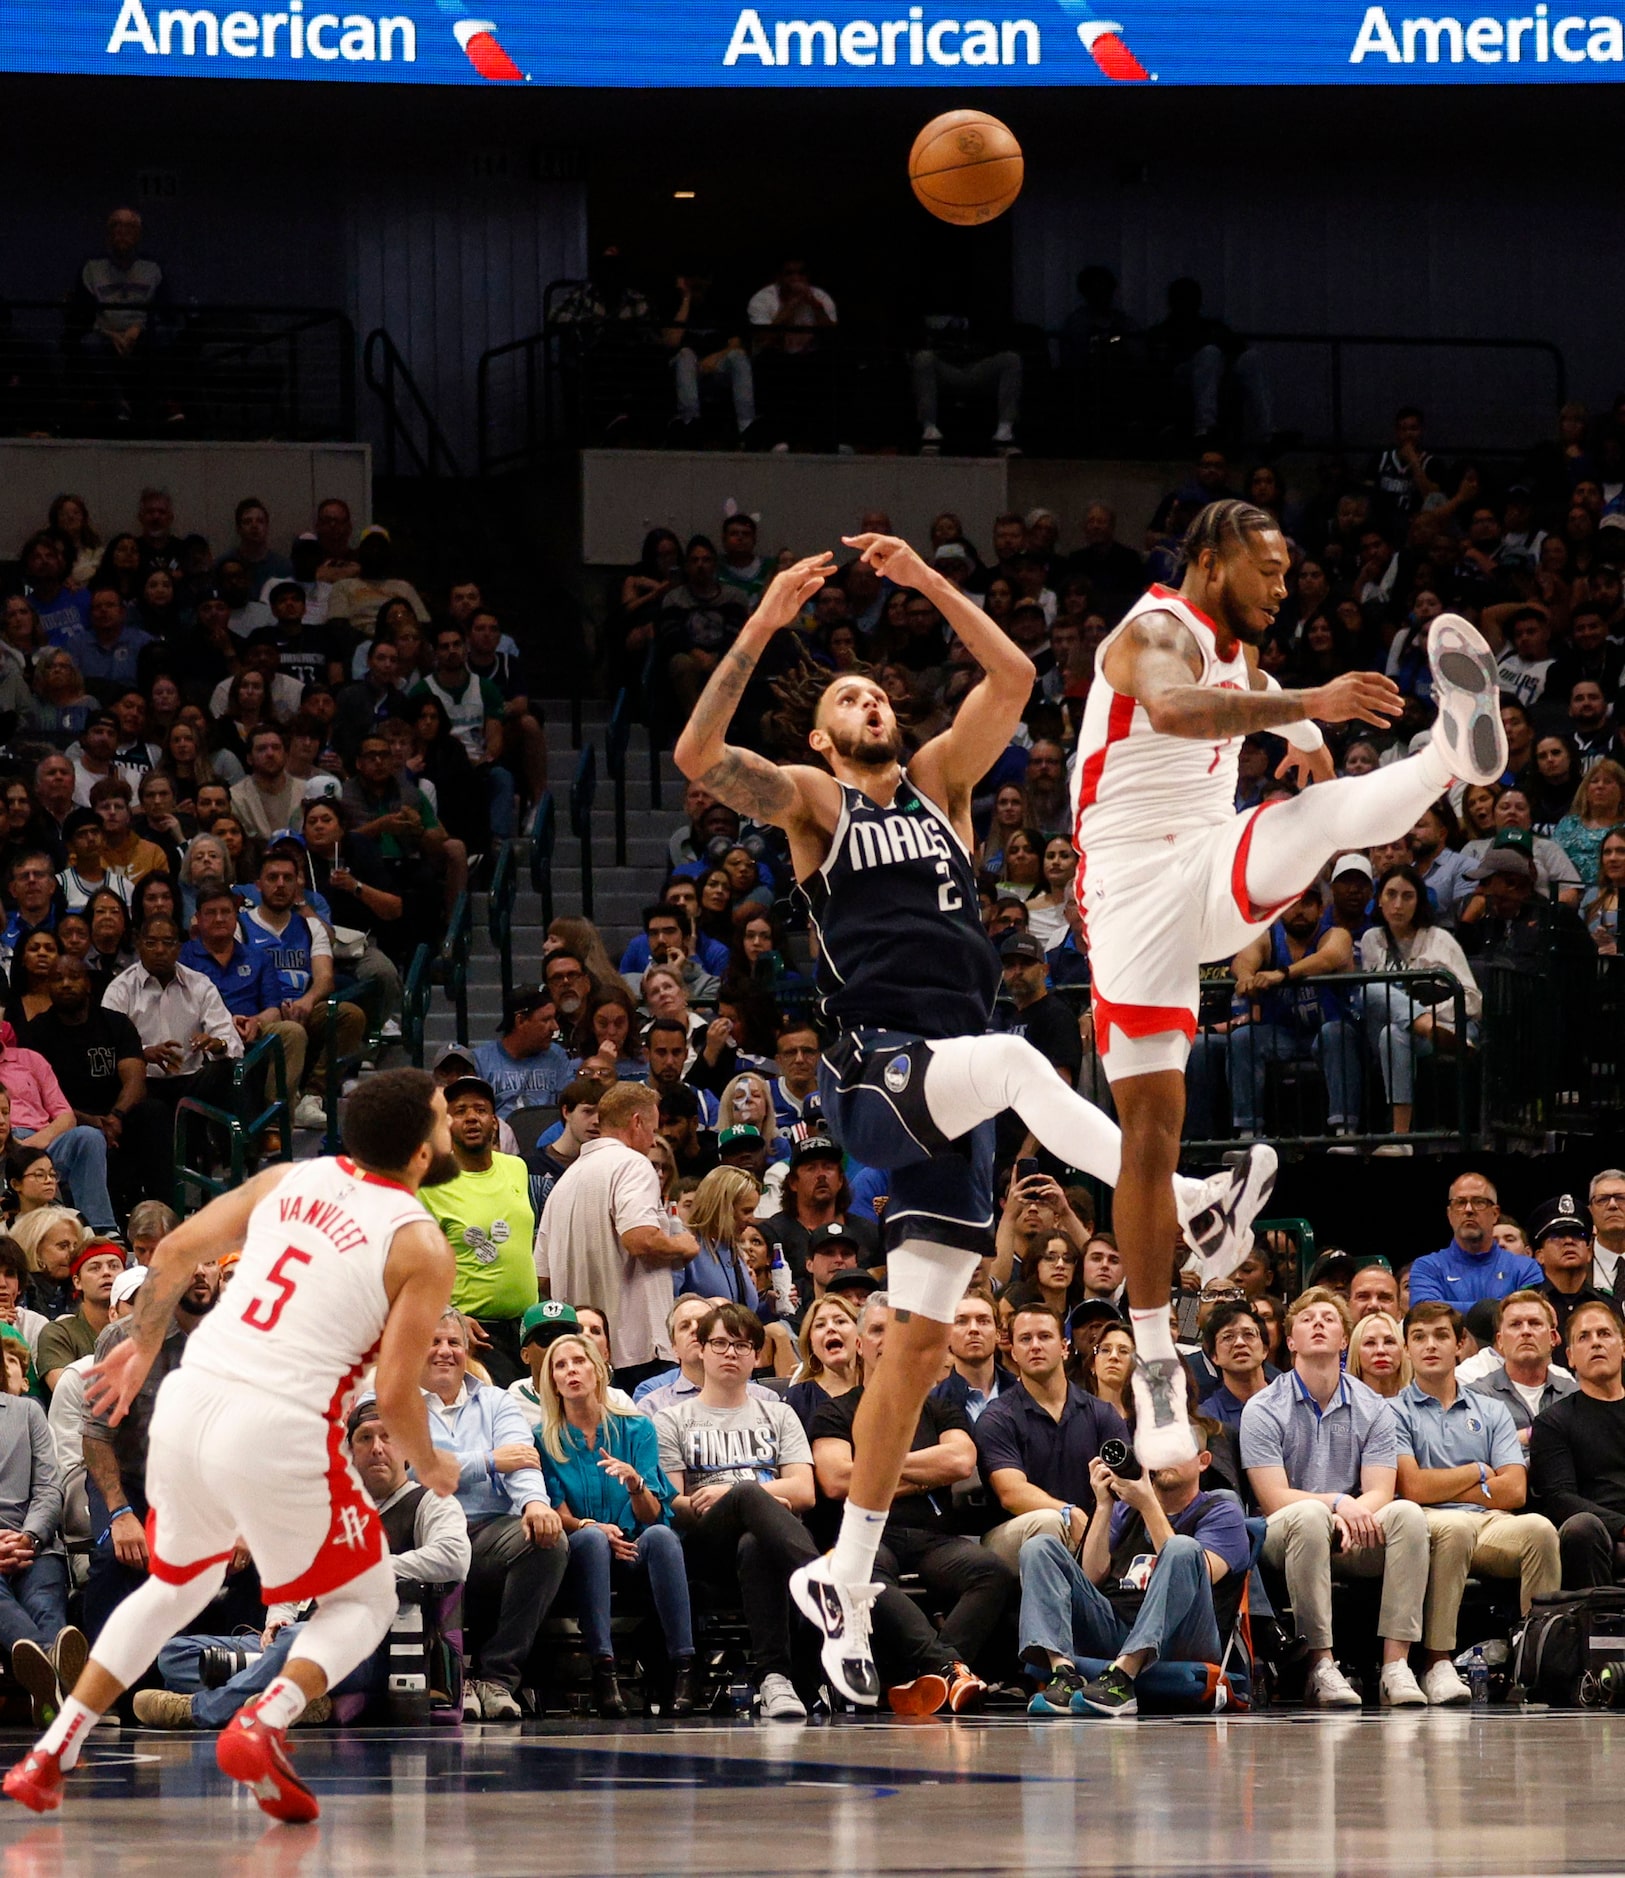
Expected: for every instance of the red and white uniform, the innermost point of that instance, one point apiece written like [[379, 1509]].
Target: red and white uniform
[[1162, 857], [247, 1437]]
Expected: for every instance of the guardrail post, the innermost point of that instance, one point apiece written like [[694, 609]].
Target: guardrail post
[[582, 793]]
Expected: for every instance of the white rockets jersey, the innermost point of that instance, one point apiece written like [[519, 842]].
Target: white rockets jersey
[[306, 1305], [1131, 783]]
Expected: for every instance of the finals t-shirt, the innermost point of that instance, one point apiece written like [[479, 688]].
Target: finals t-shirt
[[753, 1442]]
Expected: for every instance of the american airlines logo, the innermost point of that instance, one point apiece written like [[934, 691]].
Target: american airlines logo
[[917, 41], [1530, 38], [326, 38]]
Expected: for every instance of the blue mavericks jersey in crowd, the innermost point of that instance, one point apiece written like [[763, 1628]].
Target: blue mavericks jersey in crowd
[[900, 940]]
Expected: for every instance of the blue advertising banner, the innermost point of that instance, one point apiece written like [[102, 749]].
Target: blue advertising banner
[[820, 42]]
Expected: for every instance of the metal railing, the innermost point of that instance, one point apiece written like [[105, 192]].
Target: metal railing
[[582, 380], [202, 370], [653, 722], [367, 995], [583, 792], [259, 1076], [1554, 1050], [617, 735], [499, 906], [544, 834], [415, 992], [453, 960], [410, 426]]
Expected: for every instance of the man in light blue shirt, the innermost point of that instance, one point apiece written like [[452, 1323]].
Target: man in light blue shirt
[[1320, 1454], [1473, 1266], [525, 1065], [1459, 1457]]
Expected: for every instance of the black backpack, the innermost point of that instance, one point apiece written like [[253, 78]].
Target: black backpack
[[1571, 1649]]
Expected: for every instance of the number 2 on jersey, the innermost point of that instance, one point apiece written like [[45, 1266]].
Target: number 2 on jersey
[[949, 898], [262, 1312]]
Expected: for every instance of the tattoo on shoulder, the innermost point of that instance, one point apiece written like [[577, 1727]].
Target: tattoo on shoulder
[[750, 784]]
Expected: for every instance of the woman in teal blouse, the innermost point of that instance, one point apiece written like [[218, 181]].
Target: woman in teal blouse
[[602, 1468]]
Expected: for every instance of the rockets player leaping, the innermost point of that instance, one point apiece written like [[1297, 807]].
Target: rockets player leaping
[[1170, 876], [340, 1259], [910, 1079]]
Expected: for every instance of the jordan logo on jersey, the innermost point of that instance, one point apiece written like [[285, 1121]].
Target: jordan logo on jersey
[[893, 838]]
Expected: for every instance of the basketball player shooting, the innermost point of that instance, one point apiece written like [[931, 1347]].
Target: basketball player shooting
[[911, 1080], [1169, 875], [340, 1260]]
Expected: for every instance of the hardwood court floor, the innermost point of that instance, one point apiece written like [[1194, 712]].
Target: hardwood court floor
[[1444, 1792]]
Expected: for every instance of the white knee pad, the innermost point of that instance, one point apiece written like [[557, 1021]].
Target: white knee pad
[[928, 1279], [350, 1623]]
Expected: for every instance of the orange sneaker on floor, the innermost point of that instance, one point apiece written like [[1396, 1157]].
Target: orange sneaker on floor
[[923, 1696], [966, 1690], [257, 1755], [36, 1782]]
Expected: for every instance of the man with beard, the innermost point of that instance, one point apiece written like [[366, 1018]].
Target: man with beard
[[565, 976], [1045, 783], [911, 1080]]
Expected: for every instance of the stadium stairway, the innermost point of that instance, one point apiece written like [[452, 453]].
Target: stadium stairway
[[619, 893]]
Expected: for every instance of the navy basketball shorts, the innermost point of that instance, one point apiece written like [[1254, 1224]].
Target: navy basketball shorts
[[872, 1084]]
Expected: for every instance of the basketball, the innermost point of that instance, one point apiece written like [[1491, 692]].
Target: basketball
[[966, 167]]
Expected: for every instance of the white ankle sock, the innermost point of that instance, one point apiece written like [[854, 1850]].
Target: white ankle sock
[[69, 1732], [853, 1560], [1152, 1336], [281, 1705]]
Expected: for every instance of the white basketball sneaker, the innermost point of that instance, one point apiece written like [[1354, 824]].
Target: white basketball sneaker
[[1163, 1436], [1216, 1215], [1467, 690]]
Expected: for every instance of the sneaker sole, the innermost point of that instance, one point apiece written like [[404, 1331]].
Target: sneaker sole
[[1465, 673], [250, 1760], [72, 1654], [37, 1674], [811, 1607], [1041, 1705], [1258, 1183], [1100, 1712], [923, 1696], [28, 1792], [966, 1697]]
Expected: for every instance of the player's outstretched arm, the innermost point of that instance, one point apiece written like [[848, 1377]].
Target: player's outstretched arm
[[1156, 662], [747, 782], [418, 1279], [952, 764]]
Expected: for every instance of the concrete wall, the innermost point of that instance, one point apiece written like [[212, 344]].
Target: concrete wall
[[207, 480]]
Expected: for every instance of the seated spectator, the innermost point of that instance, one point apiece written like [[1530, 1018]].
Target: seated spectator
[[1472, 1266], [244, 977], [389, 808], [976, 1378], [15, 1279], [1159, 1576], [1577, 1453], [28, 990], [116, 329], [268, 798], [50, 1237], [816, 1193], [1599, 804], [539, 1328], [1035, 1209], [698, 621], [1460, 1459], [603, 1474], [1199, 353], [108, 648], [1374, 1288], [556, 1152], [1233, 1342], [828, 1346], [973, 1584], [1518, 1371], [1283, 1018], [484, 1211], [40, 1113], [1377, 1354], [1561, 1243], [603, 1234], [67, 1411], [429, 1548], [364, 906], [474, 712], [124, 851], [518, 1553], [1321, 1458], [60, 707], [36, 902], [95, 1266], [958, 357], [681, 1118], [525, 1066], [59, 608], [300, 954], [687, 1376], [1600, 909], [669, 927], [1035, 1443], [1106, 1368], [44, 1654], [739, 1518], [1520, 929]]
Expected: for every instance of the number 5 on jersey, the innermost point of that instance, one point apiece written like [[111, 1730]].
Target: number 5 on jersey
[[262, 1312]]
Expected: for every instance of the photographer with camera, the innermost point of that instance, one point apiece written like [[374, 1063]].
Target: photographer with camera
[[1160, 1574]]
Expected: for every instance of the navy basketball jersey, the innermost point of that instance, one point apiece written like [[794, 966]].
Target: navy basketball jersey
[[900, 940]]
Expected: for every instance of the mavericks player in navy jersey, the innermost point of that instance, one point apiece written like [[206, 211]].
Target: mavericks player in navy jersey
[[912, 1079]]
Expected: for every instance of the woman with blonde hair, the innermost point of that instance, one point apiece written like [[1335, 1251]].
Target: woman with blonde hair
[[747, 1099], [1377, 1354], [602, 1468], [723, 1205], [829, 1355], [51, 1238]]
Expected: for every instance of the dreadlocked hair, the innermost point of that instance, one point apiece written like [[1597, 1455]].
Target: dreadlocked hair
[[797, 693], [1222, 525]]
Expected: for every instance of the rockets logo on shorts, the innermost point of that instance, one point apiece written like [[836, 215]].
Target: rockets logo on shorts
[[352, 1528]]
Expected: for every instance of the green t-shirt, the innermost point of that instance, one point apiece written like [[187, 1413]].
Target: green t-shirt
[[488, 1221]]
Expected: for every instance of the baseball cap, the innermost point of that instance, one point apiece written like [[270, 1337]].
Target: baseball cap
[[322, 787], [1338, 1261], [857, 1279], [127, 1284], [1092, 1311], [951, 551], [520, 1002], [1021, 946], [543, 1322], [1352, 863], [835, 1233], [1517, 841], [741, 1135], [454, 1053], [1564, 1213], [470, 1085], [814, 1148], [1500, 860], [95, 1249], [365, 1410]]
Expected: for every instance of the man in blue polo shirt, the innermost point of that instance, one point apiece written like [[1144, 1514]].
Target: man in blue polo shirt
[[244, 977], [1460, 1459], [1473, 1266], [1035, 1442], [1319, 1450]]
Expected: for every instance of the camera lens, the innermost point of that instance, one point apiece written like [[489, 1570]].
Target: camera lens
[[1114, 1453]]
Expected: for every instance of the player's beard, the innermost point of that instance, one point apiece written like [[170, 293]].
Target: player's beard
[[442, 1167], [865, 753]]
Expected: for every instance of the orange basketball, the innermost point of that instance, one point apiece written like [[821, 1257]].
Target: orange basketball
[[966, 167]]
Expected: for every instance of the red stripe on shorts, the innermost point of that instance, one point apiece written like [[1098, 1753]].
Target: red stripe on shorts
[[355, 1536], [1238, 877], [1139, 1020], [175, 1574]]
